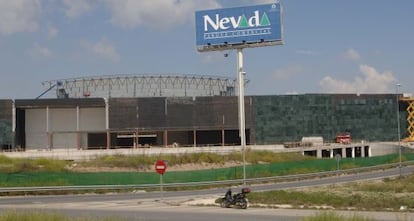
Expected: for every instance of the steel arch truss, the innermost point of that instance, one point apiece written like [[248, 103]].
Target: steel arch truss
[[144, 86]]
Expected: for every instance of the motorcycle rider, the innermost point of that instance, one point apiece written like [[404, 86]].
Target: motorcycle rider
[[229, 196], [238, 199]]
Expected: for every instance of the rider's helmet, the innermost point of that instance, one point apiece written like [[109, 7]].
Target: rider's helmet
[[245, 190]]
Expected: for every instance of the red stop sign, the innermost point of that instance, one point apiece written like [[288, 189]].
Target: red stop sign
[[160, 167]]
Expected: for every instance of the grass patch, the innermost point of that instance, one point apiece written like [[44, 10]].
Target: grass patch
[[397, 185], [11, 165], [47, 216], [389, 194], [329, 216]]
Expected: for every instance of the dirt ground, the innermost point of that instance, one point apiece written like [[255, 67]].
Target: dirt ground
[[183, 167]]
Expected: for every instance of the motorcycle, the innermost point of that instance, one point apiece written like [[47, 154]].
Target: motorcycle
[[238, 199]]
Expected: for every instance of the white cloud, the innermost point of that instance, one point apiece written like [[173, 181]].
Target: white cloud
[[352, 55], [265, 1], [307, 52], [287, 72], [155, 14], [75, 8], [19, 16], [215, 56], [103, 49], [38, 51], [52, 32], [371, 82]]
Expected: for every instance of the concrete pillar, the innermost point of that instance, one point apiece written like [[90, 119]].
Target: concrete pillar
[[165, 138], [78, 136], [48, 133], [222, 132], [49, 141], [136, 143], [343, 152], [195, 137], [108, 134], [108, 139], [353, 152], [331, 153], [14, 138], [362, 151], [318, 153], [222, 137], [78, 140]]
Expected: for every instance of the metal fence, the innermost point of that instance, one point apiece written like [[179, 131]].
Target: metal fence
[[251, 181]]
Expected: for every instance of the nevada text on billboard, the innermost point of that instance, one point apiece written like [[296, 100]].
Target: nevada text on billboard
[[222, 29]]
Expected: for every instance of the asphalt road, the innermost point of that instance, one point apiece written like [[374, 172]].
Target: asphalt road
[[158, 211], [152, 210], [174, 205]]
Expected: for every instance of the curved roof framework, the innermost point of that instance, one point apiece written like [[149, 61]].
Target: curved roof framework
[[143, 86]]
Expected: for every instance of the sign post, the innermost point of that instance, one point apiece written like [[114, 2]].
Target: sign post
[[160, 168], [338, 159]]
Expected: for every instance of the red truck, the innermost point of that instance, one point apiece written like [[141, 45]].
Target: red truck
[[343, 138]]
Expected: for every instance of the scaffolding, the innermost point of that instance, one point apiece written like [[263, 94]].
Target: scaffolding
[[410, 118]]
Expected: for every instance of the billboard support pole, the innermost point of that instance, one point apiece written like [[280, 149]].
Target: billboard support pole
[[161, 187], [261, 27], [242, 125]]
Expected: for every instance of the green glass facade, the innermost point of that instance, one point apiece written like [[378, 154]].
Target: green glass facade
[[5, 123], [288, 118], [273, 119]]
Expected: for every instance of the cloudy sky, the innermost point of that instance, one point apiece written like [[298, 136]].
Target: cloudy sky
[[331, 46]]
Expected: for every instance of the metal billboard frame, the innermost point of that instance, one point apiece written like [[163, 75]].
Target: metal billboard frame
[[240, 27], [244, 27]]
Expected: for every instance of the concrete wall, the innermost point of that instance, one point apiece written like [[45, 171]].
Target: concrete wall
[[35, 128], [380, 149], [92, 119], [63, 130]]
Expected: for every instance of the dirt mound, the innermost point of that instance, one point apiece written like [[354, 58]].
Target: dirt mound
[[181, 167]]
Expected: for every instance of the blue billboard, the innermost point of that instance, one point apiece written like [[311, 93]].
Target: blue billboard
[[251, 26]]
